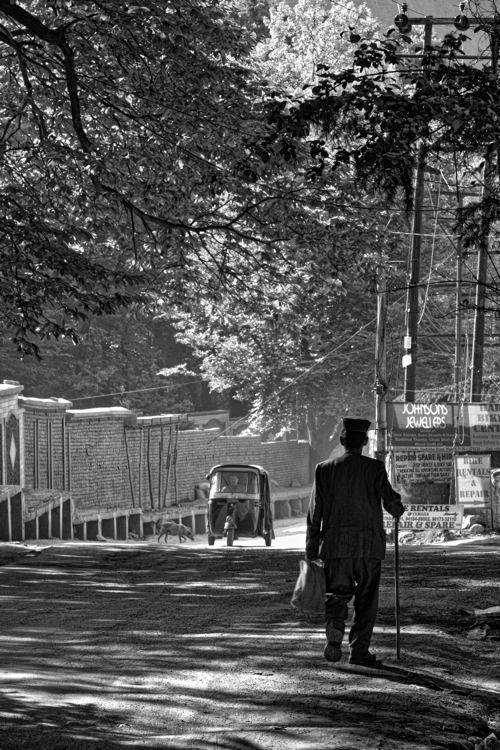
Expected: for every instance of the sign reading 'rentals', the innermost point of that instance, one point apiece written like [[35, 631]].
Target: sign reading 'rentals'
[[427, 518], [420, 425]]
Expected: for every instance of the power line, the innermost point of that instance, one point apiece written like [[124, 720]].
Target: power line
[[139, 390]]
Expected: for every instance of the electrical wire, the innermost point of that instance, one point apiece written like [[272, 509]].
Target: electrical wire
[[432, 251], [312, 367], [351, 10], [138, 390], [300, 376], [422, 234], [417, 12]]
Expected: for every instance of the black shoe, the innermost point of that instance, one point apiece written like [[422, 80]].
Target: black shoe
[[333, 652], [368, 660]]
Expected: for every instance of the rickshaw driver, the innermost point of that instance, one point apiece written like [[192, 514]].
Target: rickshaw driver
[[241, 513], [234, 485]]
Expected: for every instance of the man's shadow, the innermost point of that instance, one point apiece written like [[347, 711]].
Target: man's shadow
[[408, 677]]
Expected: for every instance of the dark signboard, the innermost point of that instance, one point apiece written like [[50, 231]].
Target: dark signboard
[[427, 426], [413, 425]]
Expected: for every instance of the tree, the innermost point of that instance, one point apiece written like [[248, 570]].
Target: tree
[[307, 35], [132, 145], [253, 15], [362, 126], [304, 357], [271, 351], [117, 362], [371, 116]]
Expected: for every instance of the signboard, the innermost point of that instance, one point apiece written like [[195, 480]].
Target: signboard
[[423, 466], [428, 426], [423, 426], [406, 360], [474, 480], [427, 517], [479, 426]]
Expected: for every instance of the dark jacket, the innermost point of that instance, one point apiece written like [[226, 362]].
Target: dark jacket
[[346, 508]]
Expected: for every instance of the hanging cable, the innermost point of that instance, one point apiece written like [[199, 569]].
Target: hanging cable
[[432, 248]]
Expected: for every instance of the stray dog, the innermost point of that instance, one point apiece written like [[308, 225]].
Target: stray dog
[[169, 527]]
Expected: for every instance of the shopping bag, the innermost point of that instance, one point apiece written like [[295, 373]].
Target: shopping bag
[[309, 592]]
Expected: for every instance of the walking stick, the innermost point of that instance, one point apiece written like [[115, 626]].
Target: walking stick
[[396, 582]]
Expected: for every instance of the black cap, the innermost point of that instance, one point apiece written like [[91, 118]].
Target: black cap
[[356, 425]]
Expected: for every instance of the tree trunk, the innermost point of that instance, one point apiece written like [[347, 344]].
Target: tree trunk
[[323, 437]]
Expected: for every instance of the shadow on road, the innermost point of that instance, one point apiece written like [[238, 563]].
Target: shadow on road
[[107, 647]]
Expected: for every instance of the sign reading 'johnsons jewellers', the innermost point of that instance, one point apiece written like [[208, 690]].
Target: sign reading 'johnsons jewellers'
[[421, 425], [412, 425]]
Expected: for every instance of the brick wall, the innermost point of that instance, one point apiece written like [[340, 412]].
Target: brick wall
[[110, 459], [102, 476], [98, 475], [44, 458], [197, 451], [287, 461]]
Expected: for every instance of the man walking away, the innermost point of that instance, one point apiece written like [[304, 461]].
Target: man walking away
[[345, 529]]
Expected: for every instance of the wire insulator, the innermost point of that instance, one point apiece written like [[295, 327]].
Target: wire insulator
[[461, 22], [402, 22]]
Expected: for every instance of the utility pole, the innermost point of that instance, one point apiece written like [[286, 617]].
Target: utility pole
[[416, 244], [381, 369], [461, 22], [458, 316], [476, 385]]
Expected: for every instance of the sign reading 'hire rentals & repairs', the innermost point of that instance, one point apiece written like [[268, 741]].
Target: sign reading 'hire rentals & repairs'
[[474, 480]]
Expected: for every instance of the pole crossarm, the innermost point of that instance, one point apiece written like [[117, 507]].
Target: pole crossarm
[[461, 57], [438, 21]]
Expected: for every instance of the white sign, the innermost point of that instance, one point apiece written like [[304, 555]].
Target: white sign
[[474, 480], [427, 517], [423, 466], [407, 342], [482, 425], [407, 360]]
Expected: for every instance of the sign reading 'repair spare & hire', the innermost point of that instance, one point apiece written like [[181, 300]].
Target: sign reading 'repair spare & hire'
[[474, 480]]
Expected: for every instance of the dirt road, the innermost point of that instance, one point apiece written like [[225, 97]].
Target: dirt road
[[190, 646]]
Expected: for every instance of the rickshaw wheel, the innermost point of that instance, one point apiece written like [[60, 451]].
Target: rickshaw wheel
[[211, 540], [268, 537], [230, 537]]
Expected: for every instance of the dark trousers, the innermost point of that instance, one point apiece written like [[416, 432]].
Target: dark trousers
[[347, 578]]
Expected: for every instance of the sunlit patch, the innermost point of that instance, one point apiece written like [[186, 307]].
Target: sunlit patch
[[469, 584]]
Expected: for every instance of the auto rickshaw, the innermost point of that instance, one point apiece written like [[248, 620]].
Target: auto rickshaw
[[239, 503]]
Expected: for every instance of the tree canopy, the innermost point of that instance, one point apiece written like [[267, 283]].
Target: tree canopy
[[308, 34], [131, 150], [245, 183]]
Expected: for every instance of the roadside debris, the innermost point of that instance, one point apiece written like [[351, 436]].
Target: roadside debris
[[490, 742]]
